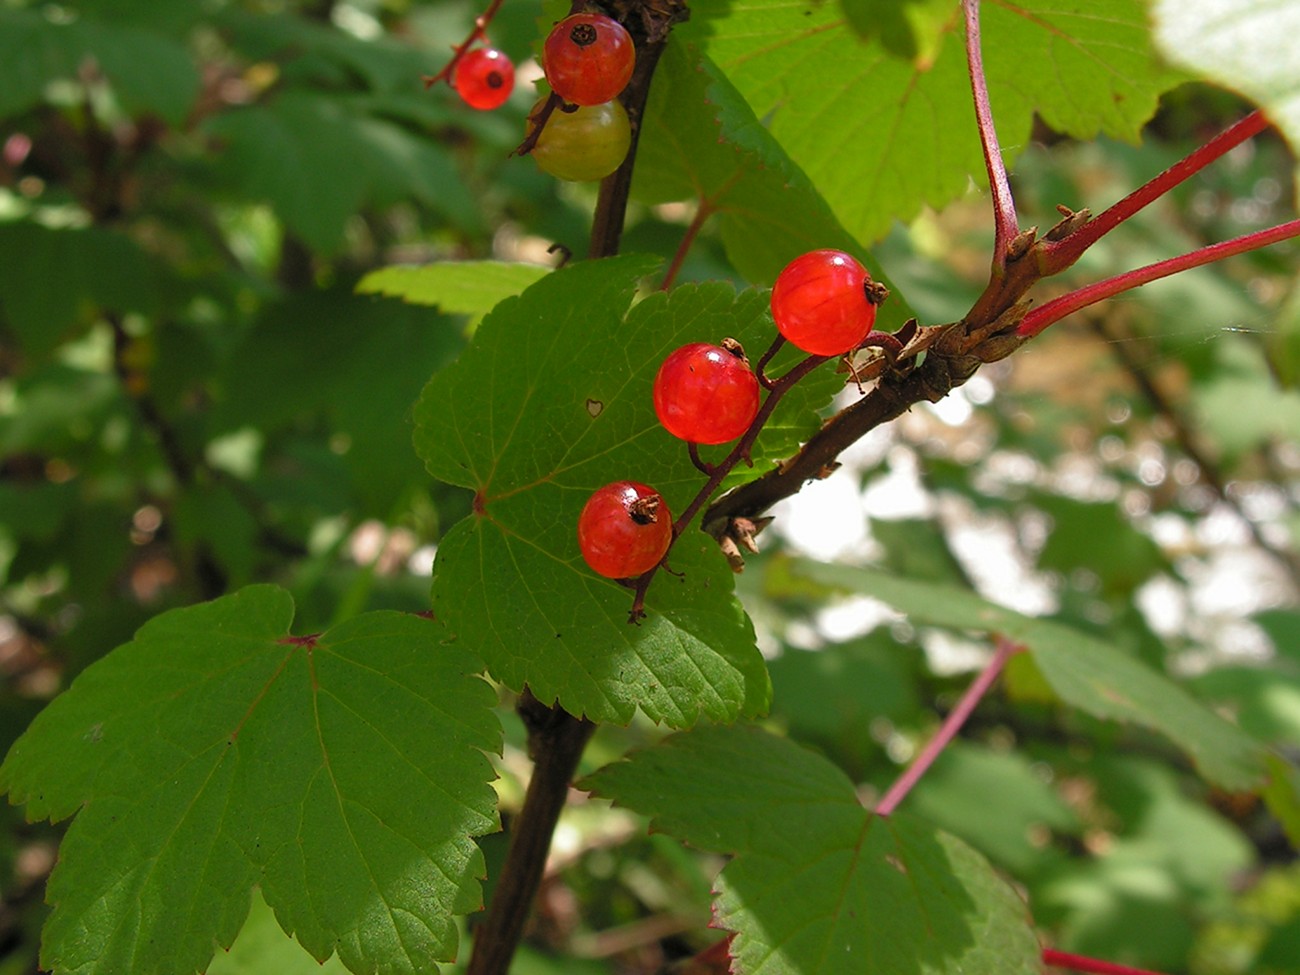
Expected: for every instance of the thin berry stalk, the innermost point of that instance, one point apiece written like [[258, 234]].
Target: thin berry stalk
[[481, 23], [1056, 309], [718, 472], [1095, 966], [702, 214], [948, 730], [1056, 255], [1006, 223]]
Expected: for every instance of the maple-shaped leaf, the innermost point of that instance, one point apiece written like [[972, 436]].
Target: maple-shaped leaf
[[881, 135], [819, 885], [342, 773], [551, 401], [470, 288], [700, 141], [1082, 670]]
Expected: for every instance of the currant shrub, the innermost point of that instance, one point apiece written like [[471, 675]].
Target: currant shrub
[[706, 393], [586, 144], [588, 59], [823, 303], [484, 78], [624, 530]]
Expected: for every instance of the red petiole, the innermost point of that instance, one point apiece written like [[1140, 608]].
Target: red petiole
[[1056, 309]]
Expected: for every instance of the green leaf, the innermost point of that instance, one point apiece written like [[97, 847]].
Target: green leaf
[[318, 158], [1097, 537], [881, 136], [470, 288], [1247, 45], [267, 385], [701, 142], [343, 773], [1283, 796], [551, 401], [818, 883], [148, 72], [1014, 802], [53, 282], [1085, 672]]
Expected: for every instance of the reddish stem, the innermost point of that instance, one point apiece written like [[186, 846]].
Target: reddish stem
[[718, 472], [479, 32], [1006, 224], [1082, 963], [951, 725], [688, 239], [1056, 255], [1056, 309]]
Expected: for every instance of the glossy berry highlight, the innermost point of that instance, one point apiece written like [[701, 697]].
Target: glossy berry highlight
[[588, 59], [706, 394], [583, 145], [624, 530], [484, 78], [824, 302]]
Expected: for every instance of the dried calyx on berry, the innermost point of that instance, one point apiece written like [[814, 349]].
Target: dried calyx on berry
[[624, 530], [706, 394], [824, 302]]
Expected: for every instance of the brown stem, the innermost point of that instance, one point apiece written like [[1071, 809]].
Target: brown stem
[[611, 205], [556, 740], [702, 215]]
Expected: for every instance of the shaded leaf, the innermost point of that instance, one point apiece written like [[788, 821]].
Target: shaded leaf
[[318, 158], [818, 883], [1085, 672], [147, 71], [343, 773], [53, 282]]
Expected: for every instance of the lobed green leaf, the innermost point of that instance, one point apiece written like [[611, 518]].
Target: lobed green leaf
[[341, 773], [881, 136], [819, 884], [551, 401]]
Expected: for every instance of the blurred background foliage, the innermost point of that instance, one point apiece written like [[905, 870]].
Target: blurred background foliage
[[193, 397]]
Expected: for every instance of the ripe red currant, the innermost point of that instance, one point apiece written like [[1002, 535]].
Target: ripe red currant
[[588, 59], [484, 78], [586, 144], [706, 393], [824, 302], [624, 530]]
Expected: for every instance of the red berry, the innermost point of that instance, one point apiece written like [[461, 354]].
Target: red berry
[[588, 59], [706, 394], [823, 302], [624, 530], [484, 78]]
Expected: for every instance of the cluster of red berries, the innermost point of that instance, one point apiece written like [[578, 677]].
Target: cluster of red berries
[[823, 303], [588, 60]]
